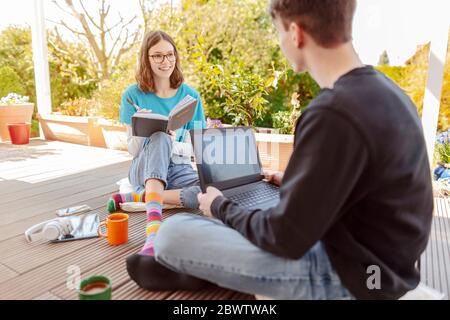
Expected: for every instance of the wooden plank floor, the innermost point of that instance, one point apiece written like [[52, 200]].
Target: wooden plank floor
[[435, 262], [43, 176]]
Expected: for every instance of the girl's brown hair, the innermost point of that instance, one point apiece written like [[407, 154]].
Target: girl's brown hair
[[144, 74]]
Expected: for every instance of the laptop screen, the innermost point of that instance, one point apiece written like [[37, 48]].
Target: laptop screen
[[227, 155]]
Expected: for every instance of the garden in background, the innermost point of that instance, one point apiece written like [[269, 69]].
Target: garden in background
[[235, 64]]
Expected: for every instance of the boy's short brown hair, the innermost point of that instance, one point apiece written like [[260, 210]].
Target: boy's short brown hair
[[144, 75], [329, 22]]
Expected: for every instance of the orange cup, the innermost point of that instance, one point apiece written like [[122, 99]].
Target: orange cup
[[116, 225]]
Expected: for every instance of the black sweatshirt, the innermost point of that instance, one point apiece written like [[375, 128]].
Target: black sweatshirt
[[358, 180]]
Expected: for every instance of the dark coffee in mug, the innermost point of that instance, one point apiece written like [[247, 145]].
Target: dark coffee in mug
[[95, 287]]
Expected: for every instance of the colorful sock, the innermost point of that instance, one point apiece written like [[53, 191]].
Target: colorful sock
[[153, 206], [116, 199]]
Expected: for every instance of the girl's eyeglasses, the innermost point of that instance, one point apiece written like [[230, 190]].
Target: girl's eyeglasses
[[159, 58]]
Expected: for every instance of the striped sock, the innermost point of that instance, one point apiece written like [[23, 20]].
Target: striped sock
[[153, 206], [116, 199]]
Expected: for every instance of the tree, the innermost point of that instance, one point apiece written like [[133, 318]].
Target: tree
[[384, 59], [16, 53], [106, 42], [412, 78], [69, 76], [10, 82]]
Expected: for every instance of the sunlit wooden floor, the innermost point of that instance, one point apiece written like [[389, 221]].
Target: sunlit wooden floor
[[43, 176]]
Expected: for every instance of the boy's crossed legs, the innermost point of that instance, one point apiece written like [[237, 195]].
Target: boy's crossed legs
[[208, 249]]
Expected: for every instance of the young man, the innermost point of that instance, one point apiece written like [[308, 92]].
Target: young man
[[356, 200]]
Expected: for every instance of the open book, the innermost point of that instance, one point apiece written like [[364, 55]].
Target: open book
[[144, 124]]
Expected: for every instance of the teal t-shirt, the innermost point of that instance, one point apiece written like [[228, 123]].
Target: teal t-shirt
[[162, 106]]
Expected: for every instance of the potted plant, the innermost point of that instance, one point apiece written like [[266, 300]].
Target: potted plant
[[276, 145], [74, 123], [14, 108]]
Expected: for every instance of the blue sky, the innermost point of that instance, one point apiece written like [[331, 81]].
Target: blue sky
[[397, 26]]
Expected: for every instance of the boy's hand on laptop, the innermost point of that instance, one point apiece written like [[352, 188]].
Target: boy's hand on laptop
[[206, 199], [274, 177]]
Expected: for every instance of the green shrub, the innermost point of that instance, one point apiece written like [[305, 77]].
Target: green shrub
[[285, 121], [109, 96], [10, 82], [69, 77], [443, 153], [281, 122]]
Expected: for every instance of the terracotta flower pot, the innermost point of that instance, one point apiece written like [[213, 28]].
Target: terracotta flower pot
[[13, 113], [19, 132]]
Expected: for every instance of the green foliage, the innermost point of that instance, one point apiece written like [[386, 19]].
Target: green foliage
[[442, 153], [69, 78], [285, 121], [109, 95], [300, 89], [412, 79], [444, 115], [10, 82], [235, 95], [16, 54], [281, 122], [397, 73], [70, 74], [244, 95]]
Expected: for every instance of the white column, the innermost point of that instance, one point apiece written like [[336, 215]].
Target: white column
[[433, 91], [40, 59]]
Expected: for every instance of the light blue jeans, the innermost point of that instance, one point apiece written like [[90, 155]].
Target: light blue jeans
[[156, 161], [208, 249]]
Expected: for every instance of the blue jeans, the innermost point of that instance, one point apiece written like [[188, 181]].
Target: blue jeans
[[155, 161], [208, 249]]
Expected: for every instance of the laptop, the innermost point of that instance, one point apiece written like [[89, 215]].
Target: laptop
[[228, 159]]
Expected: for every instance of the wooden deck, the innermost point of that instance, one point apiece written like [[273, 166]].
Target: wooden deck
[[435, 262], [43, 176], [39, 178]]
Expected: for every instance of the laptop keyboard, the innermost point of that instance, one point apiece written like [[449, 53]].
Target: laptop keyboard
[[263, 192]]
